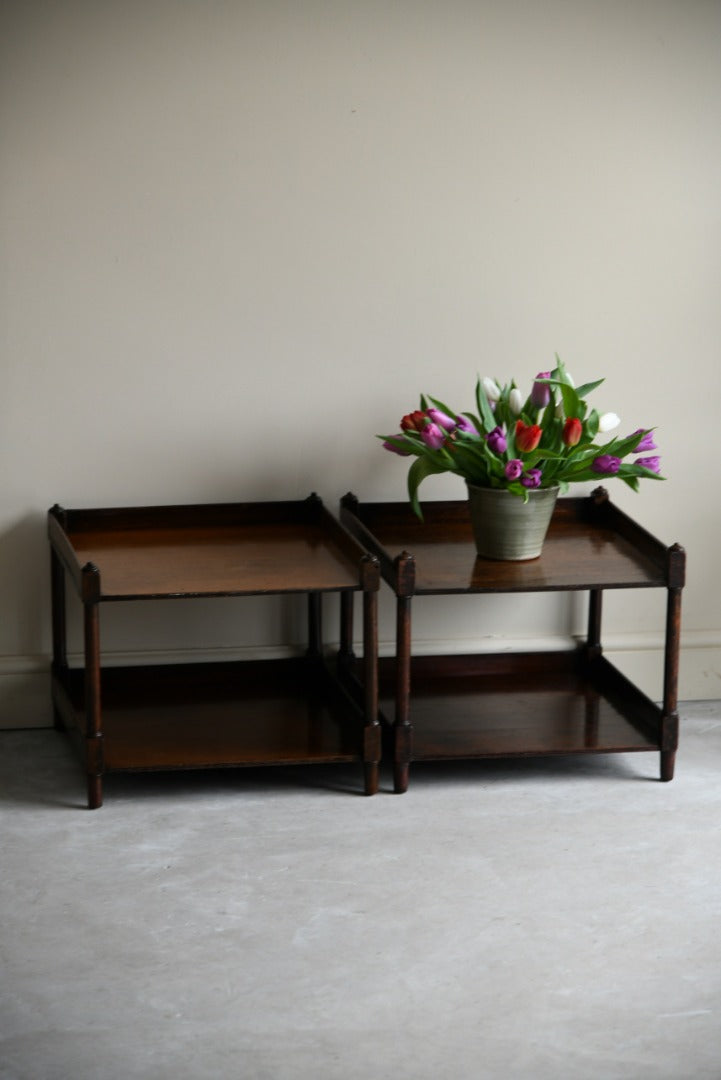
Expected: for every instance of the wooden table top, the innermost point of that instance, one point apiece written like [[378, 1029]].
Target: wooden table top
[[185, 552], [580, 552]]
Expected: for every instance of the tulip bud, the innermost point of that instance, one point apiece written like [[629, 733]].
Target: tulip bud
[[540, 391], [464, 424], [532, 479], [572, 431], [652, 463], [515, 401], [608, 422], [606, 465], [442, 419], [414, 421], [396, 449], [528, 436], [513, 469], [433, 436], [491, 388], [497, 441], [646, 443]]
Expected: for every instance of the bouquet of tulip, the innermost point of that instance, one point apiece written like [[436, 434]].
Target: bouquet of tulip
[[546, 440]]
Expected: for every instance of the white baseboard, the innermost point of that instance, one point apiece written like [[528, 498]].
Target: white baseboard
[[641, 659], [25, 700], [25, 680], [638, 656]]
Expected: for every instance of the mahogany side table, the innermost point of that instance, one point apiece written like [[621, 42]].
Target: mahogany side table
[[508, 704], [299, 709]]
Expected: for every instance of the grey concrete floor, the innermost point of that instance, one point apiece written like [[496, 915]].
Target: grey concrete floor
[[540, 919]]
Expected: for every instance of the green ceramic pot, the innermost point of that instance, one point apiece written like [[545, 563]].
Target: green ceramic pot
[[507, 528]]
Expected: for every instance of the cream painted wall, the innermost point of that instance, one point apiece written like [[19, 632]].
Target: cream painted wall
[[237, 239]]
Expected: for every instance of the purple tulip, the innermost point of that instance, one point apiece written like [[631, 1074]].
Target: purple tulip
[[513, 469], [395, 449], [442, 419], [433, 436], [541, 392], [497, 441], [651, 463], [646, 443], [606, 465], [532, 479], [464, 424]]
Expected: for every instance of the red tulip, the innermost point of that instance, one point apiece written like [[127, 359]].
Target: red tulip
[[414, 421], [572, 431], [528, 436]]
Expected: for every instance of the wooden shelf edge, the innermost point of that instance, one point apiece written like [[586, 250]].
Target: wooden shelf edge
[[223, 715], [520, 705]]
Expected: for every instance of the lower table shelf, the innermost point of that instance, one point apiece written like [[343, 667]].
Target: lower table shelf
[[517, 704], [270, 712]]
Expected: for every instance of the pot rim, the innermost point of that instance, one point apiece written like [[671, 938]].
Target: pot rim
[[551, 489]]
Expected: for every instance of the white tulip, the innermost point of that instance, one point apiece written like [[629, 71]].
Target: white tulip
[[491, 388], [608, 422], [515, 401]]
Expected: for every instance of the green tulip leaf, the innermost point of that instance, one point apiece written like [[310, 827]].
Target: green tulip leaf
[[488, 421], [419, 470], [585, 390], [590, 428], [444, 408]]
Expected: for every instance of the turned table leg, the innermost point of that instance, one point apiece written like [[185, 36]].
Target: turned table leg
[[372, 730], [315, 624], [402, 728], [93, 725], [669, 720], [345, 648], [595, 612], [59, 628]]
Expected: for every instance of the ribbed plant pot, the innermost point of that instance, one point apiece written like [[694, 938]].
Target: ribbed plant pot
[[507, 528]]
